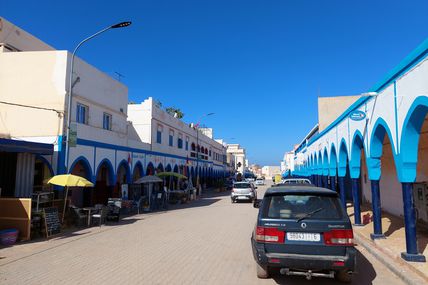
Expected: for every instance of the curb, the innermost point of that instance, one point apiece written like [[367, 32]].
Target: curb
[[404, 271]]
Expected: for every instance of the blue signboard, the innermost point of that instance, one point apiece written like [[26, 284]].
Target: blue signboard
[[357, 115]]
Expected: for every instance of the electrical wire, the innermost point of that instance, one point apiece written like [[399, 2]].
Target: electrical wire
[[32, 107]]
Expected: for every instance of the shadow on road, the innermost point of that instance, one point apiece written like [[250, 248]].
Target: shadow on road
[[365, 275]]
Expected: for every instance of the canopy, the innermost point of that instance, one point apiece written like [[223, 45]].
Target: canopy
[[70, 180], [178, 175], [148, 179]]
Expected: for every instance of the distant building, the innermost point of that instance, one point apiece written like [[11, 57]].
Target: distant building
[[269, 171], [239, 156]]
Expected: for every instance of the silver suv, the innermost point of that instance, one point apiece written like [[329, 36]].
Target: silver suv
[[244, 191]]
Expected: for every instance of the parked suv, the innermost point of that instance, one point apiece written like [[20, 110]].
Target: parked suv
[[303, 230], [243, 191]]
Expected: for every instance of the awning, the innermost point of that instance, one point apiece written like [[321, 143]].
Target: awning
[[9, 145]]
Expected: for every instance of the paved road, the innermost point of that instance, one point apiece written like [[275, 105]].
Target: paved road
[[204, 242]]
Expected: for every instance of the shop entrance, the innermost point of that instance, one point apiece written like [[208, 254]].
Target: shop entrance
[[7, 174]]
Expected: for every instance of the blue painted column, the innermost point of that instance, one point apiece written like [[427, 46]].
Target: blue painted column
[[325, 181], [377, 211], [333, 183], [411, 253], [356, 199], [342, 191]]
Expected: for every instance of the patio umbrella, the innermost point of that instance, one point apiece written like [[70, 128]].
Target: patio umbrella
[[178, 175], [69, 180], [148, 179]]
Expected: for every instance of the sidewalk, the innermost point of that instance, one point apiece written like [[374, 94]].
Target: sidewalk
[[389, 250]]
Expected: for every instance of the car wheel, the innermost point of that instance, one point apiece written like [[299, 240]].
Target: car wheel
[[262, 273], [344, 276]]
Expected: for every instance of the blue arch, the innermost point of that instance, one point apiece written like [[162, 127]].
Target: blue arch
[[45, 161], [168, 168], [160, 168], [87, 166], [150, 170], [410, 135], [127, 168], [175, 168], [110, 170], [325, 162], [355, 160], [380, 130], [138, 166], [343, 158], [333, 160]]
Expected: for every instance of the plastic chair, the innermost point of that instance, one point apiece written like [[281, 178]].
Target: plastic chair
[[102, 215]]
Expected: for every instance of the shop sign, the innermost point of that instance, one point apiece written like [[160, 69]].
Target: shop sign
[[357, 115]]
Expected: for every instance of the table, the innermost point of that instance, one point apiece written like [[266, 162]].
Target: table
[[89, 210]]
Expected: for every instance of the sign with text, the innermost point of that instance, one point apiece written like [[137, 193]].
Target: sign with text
[[52, 223], [357, 115]]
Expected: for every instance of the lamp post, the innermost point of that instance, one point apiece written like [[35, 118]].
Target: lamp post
[[197, 147], [70, 85]]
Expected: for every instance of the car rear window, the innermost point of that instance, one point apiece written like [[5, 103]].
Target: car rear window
[[297, 206], [242, 185]]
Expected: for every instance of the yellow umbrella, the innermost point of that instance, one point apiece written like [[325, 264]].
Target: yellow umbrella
[[69, 180]]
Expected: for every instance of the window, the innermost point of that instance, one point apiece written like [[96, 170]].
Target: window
[[171, 138], [106, 121], [297, 206], [187, 143], [82, 114], [180, 141], [210, 153], [159, 134]]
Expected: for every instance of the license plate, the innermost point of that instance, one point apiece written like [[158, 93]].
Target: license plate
[[243, 197], [304, 237]]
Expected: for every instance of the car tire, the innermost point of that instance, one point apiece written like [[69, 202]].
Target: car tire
[[262, 273], [343, 276]]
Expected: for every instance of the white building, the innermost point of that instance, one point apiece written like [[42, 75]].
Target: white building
[[109, 149], [269, 170], [239, 156], [169, 135], [377, 144]]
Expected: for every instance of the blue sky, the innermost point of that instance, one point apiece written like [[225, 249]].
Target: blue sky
[[258, 65]]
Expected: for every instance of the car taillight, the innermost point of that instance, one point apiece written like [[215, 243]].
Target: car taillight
[[339, 237], [269, 235]]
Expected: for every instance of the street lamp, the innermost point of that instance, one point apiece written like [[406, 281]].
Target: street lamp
[[70, 85], [197, 147]]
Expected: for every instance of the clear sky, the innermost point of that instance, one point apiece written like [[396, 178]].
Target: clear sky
[[258, 65]]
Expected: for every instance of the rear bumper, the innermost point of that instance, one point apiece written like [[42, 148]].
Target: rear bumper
[[304, 262], [236, 196]]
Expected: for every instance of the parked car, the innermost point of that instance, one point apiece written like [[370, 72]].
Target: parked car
[[303, 230], [260, 181], [296, 181], [243, 191]]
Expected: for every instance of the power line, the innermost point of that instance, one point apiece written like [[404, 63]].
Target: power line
[[32, 107]]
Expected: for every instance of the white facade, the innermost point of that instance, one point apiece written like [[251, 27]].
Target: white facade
[[239, 156], [169, 135], [36, 78], [268, 170]]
